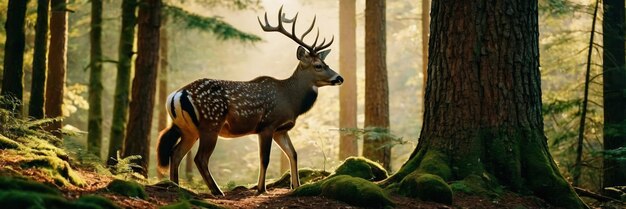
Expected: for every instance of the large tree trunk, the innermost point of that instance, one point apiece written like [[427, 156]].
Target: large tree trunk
[[94, 136], [376, 87], [348, 145], [57, 63], [137, 141], [37, 88], [122, 83], [12, 85], [483, 119], [614, 75], [162, 88]]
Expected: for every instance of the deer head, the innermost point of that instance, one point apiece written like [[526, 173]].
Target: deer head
[[311, 57]]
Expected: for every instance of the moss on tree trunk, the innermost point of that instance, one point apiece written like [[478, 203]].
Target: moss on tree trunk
[[483, 126]]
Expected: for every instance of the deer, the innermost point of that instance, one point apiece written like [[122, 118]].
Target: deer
[[268, 107]]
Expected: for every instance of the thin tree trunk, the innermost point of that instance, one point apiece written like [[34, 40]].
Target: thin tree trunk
[[348, 145], [162, 88], [376, 86], [94, 136], [614, 75], [122, 83], [37, 89], [57, 64], [482, 120], [137, 141], [583, 115], [425, 31], [12, 85]]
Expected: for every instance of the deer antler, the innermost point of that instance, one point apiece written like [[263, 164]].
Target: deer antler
[[282, 19]]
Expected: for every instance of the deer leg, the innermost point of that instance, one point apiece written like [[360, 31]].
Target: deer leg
[[284, 142], [207, 145], [265, 145], [180, 150]]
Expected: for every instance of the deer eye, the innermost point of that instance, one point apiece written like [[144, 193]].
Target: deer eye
[[318, 67]]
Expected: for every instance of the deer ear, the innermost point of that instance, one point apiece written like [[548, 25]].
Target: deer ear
[[301, 52], [322, 55]]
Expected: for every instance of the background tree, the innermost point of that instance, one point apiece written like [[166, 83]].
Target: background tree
[[614, 76], [57, 64], [122, 82], [14, 55], [348, 145], [94, 135], [137, 140], [376, 87], [38, 84], [425, 30], [483, 105]]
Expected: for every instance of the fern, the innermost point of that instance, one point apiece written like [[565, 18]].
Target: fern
[[125, 167]]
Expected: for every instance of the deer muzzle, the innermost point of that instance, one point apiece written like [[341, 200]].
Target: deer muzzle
[[336, 80]]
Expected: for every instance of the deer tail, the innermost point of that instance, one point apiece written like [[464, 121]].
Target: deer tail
[[167, 140]]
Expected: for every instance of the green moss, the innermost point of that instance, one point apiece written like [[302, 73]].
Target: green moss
[[363, 168], [543, 178], [355, 191], [435, 163], [11, 183], [60, 170], [6, 143], [97, 201], [426, 187], [311, 189], [204, 204], [191, 203], [476, 185], [177, 205], [306, 176], [127, 188], [170, 186]]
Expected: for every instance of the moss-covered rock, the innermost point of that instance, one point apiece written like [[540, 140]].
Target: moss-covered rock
[[127, 188], [97, 201], [355, 191], [170, 186], [426, 187], [363, 168], [311, 189], [306, 175], [177, 205], [204, 204]]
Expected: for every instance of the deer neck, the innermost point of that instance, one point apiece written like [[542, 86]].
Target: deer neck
[[302, 90]]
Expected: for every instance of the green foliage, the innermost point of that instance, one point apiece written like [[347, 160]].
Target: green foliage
[[97, 201], [375, 133], [426, 187], [13, 183], [362, 168], [127, 188], [124, 166], [215, 25], [355, 191], [58, 169], [618, 154]]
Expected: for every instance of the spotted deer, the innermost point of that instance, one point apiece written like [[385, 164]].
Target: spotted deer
[[265, 106]]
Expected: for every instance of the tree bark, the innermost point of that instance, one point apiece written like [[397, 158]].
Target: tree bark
[[122, 83], [482, 117], [37, 89], [57, 64], [376, 87], [94, 136], [614, 75], [162, 88], [137, 141], [425, 31], [348, 145], [12, 85]]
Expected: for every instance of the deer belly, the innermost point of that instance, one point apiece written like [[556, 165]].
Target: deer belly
[[232, 130]]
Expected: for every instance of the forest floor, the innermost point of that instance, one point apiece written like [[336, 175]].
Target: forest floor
[[241, 197]]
